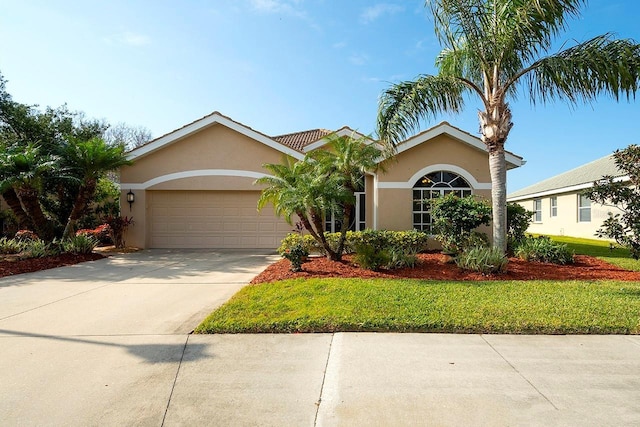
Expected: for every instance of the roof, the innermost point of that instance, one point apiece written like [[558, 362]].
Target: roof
[[298, 140], [575, 179]]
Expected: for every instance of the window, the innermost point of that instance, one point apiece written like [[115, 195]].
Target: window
[[431, 186], [584, 208], [554, 206], [537, 210]]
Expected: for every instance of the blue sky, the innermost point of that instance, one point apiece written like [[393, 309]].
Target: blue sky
[[280, 66]]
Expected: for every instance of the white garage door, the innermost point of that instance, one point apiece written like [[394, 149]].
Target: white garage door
[[212, 219]]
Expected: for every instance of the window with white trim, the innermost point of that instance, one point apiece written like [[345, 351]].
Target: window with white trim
[[554, 206], [431, 186], [537, 210], [584, 208]]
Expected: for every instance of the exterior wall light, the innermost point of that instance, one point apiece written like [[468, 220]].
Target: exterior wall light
[[131, 197]]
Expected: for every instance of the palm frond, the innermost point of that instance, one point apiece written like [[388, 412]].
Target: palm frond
[[598, 66], [404, 105]]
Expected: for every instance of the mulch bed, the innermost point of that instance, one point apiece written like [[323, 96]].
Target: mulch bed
[[10, 267], [434, 266]]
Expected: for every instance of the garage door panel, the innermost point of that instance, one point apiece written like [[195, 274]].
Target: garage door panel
[[212, 219]]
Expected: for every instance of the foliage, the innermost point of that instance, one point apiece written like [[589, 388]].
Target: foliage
[[26, 236], [483, 260], [543, 249], [11, 246], [518, 221], [371, 258], [117, 226], [625, 195], [38, 249], [491, 49], [603, 249], [297, 254], [454, 219], [401, 258], [390, 305], [101, 233], [80, 244]]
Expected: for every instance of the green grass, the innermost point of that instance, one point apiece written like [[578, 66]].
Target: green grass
[[600, 249], [513, 307]]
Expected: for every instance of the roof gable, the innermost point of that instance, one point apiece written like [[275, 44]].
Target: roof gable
[[204, 122], [513, 161]]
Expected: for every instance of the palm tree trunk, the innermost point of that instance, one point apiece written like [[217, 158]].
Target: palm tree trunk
[[24, 222], [85, 193], [29, 198], [346, 220], [498, 171], [318, 223]]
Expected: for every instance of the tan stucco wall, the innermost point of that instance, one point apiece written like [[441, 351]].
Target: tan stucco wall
[[216, 147], [443, 149], [566, 222]]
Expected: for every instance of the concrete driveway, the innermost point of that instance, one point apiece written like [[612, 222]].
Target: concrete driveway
[[107, 343]]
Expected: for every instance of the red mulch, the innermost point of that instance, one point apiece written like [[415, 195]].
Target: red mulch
[[10, 267], [434, 266]]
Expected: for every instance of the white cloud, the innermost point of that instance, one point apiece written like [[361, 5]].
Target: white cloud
[[286, 7], [340, 45], [372, 13], [359, 59], [128, 38]]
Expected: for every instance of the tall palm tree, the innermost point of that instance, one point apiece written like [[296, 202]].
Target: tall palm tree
[[300, 188], [491, 47], [89, 161], [347, 158]]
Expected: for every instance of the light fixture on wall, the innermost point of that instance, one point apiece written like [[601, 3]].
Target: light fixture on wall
[[130, 198]]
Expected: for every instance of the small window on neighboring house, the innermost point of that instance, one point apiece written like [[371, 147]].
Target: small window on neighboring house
[[584, 208], [537, 210], [554, 206]]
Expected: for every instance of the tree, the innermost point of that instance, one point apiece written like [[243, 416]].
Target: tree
[[491, 47], [347, 159], [301, 188], [625, 195], [129, 136], [89, 161]]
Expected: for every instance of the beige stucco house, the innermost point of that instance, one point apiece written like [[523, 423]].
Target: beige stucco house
[[559, 206], [194, 187]]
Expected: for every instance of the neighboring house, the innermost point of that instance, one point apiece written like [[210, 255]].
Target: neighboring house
[[194, 187], [559, 206]]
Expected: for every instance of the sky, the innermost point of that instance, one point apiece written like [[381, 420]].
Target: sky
[[282, 66]]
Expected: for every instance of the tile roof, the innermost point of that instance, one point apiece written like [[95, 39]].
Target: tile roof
[[298, 140], [584, 174]]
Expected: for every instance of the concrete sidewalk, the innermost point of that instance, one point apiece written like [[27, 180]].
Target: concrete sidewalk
[[108, 343]]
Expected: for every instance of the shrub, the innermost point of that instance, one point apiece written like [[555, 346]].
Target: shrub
[[296, 255], [544, 249], [118, 225], [296, 239], [26, 236], [454, 218], [10, 246], [80, 244], [371, 258], [37, 249], [101, 233], [518, 221], [483, 260], [399, 258]]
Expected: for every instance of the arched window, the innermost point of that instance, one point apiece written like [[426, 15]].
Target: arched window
[[431, 186]]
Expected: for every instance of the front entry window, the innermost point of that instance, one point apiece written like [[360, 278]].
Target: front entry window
[[431, 186]]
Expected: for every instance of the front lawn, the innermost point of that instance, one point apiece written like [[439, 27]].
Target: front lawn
[[395, 305]]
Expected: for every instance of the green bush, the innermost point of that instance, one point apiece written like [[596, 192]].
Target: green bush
[[455, 218], [80, 244], [10, 246], [37, 249], [544, 249], [399, 258], [370, 257], [518, 221], [483, 260]]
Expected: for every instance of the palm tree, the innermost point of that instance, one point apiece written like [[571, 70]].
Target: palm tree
[[347, 158], [23, 171], [89, 161], [300, 188], [490, 48]]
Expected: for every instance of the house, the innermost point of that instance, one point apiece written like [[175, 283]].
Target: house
[[559, 206], [194, 187]]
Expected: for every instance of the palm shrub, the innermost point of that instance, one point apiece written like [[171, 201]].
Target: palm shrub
[[483, 260], [543, 249]]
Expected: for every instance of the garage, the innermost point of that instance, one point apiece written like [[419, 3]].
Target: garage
[[212, 219]]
